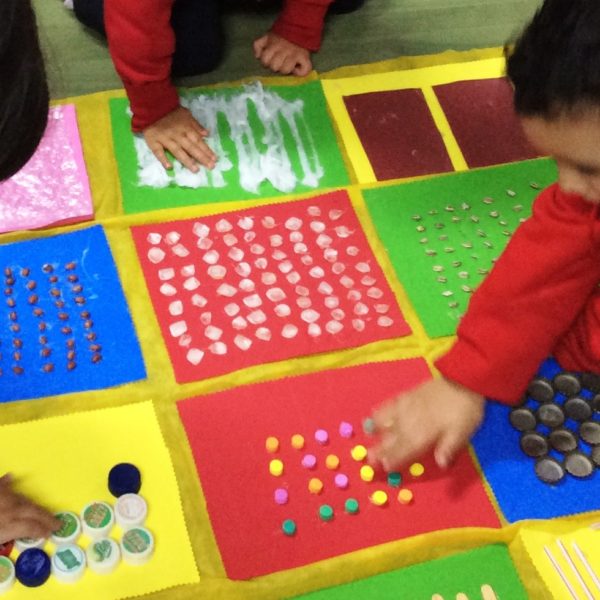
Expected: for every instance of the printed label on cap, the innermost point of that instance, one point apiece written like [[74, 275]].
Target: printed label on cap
[[67, 560], [97, 515], [102, 551], [69, 525], [136, 541], [6, 569]]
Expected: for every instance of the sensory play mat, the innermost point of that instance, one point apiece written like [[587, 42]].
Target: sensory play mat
[[185, 376]]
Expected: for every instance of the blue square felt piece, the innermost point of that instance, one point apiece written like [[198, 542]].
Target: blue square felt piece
[[510, 473], [64, 322]]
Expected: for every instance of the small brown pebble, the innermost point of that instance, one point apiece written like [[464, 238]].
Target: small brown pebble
[[84, 314], [8, 291], [71, 343], [63, 316], [15, 328], [79, 300], [77, 288], [31, 285], [48, 367], [42, 326], [70, 266], [11, 302], [95, 347], [66, 330], [53, 278], [47, 268], [43, 339], [33, 299], [38, 312], [17, 370], [96, 358], [18, 343], [71, 365], [8, 271], [10, 281], [25, 272], [71, 354], [45, 352], [17, 355], [72, 278], [91, 336], [55, 292], [12, 315], [88, 324]]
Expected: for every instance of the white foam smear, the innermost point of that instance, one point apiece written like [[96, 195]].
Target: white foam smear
[[279, 119]]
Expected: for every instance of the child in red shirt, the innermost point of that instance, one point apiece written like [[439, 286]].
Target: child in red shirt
[[543, 295], [151, 40]]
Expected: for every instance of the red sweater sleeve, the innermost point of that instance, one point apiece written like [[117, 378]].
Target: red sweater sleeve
[[142, 42], [301, 22], [535, 291]]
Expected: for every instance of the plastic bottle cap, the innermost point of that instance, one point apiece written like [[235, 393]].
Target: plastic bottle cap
[[346, 429], [276, 467], [332, 462], [367, 473], [359, 453], [23, 544], [131, 510], [32, 568], [405, 496], [326, 512], [272, 444], [281, 496], [7, 574], [68, 563], [124, 478], [6, 548], [315, 486], [341, 481], [97, 519], [351, 506], [103, 556], [70, 529], [309, 461], [394, 479], [297, 441], [288, 527], [321, 436], [137, 546], [379, 498], [416, 469]]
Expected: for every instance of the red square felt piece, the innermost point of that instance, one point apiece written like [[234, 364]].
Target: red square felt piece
[[265, 284], [484, 122], [398, 134], [227, 432]]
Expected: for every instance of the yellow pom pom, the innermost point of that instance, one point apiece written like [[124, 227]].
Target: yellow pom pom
[[272, 444], [359, 453], [276, 467]]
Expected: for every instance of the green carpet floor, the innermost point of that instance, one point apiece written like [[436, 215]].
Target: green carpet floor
[[79, 63]]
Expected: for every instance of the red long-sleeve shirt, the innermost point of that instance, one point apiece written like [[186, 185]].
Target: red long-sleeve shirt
[[542, 298], [142, 42]]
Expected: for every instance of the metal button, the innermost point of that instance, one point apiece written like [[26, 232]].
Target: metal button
[[534, 444], [540, 389], [548, 469], [579, 465], [590, 381], [522, 419], [563, 440], [551, 415], [567, 383], [589, 432], [578, 408]]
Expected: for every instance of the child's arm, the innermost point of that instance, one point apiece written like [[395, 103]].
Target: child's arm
[[19, 517], [530, 299], [295, 34], [142, 42]]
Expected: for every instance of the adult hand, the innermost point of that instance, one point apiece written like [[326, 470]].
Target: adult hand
[[19, 517], [281, 56], [439, 414], [181, 135]]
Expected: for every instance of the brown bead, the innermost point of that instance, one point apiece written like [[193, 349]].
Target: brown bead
[[70, 266], [71, 365], [66, 330], [48, 367], [47, 268], [43, 339], [10, 281], [8, 271], [42, 326], [88, 324], [17, 355], [12, 315], [79, 300], [17, 370], [25, 272], [18, 343], [71, 343], [71, 355], [84, 314], [96, 358], [38, 312], [95, 347], [91, 336], [55, 292], [15, 328], [8, 291], [53, 278], [59, 304], [45, 352], [31, 285], [33, 299], [72, 278], [11, 302], [63, 316], [77, 288]]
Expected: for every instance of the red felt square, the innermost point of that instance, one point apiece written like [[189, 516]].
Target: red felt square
[[265, 284], [227, 432], [398, 133], [484, 123]]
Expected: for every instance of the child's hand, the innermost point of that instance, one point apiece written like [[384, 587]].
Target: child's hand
[[180, 134], [281, 56], [19, 517], [439, 414]]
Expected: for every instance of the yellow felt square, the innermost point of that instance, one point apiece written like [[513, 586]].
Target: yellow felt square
[[63, 462]]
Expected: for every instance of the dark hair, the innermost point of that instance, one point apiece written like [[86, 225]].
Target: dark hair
[[23, 88], [555, 65]]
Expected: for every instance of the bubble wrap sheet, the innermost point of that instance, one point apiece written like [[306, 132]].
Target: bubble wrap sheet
[[53, 186]]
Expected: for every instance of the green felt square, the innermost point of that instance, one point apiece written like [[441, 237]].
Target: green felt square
[[302, 122], [465, 572], [443, 234]]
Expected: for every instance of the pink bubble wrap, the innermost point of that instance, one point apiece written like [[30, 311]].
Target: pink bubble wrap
[[53, 187]]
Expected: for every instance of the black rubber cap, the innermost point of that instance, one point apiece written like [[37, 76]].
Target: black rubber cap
[[124, 478]]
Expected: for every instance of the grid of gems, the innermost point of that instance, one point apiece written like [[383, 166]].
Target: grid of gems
[[457, 239], [53, 295], [559, 426]]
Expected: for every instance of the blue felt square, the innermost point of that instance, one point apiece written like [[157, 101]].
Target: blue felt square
[[511, 475], [64, 322]]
